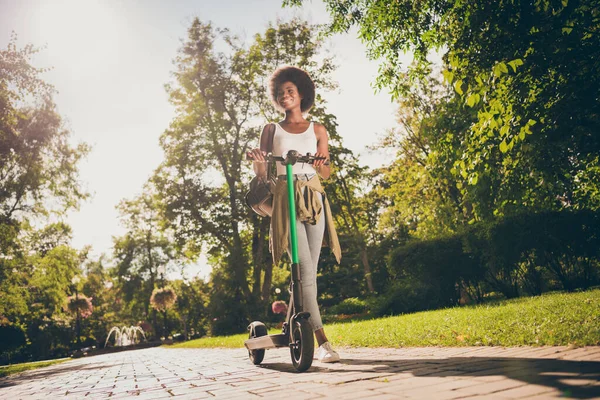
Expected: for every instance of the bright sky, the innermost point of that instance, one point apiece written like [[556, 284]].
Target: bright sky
[[110, 60]]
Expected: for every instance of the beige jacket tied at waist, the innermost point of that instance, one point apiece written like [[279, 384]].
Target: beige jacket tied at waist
[[308, 209]]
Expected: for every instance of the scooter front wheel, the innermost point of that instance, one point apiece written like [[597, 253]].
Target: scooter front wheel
[[302, 346], [257, 329]]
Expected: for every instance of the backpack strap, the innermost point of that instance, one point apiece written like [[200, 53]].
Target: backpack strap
[[270, 149], [271, 136]]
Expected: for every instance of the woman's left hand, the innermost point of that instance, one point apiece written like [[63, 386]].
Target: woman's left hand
[[318, 163]]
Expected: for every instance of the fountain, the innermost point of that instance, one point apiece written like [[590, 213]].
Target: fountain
[[125, 336]]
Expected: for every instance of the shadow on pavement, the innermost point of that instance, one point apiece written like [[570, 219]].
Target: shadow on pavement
[[29, 375], [288, 367], [575, 379]]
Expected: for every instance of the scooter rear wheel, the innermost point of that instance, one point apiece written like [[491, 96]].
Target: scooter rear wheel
[[302, 347], [257, 356]]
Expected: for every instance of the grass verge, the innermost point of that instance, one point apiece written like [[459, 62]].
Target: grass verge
[[16, 368], [551, 319]]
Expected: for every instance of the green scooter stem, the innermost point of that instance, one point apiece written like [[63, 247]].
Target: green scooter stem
[[296, 278], [292, 209]]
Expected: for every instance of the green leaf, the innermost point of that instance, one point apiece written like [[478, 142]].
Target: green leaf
[[473, 99], [497, 71], [565, 2], [454, 61], [500, 69], [515, 63], [474, 178], [567, 30], [504, 130], [448, 76], [503, 146], [457, 87]]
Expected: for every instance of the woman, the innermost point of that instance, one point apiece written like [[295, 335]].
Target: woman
[[292, 91]]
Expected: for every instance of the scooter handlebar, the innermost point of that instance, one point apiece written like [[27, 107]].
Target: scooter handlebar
[[293, 157]]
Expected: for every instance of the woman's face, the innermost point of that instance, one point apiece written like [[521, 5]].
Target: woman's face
[[288, 96]]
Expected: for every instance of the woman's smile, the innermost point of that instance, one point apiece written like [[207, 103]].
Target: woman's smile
[[287, 101], [287, 96]]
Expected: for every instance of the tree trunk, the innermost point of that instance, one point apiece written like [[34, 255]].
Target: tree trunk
[[268, 281], [238, 263], [263, 258], [358, 235], [367, 267], [257, 255], [155, 323], [185, 331]]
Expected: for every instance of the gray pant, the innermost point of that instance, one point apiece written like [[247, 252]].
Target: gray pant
[[310, 240]]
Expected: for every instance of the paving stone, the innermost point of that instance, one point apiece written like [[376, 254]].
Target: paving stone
[[527, 391], [492, 387], [387, 373]]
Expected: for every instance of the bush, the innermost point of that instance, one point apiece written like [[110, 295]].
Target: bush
[[12, 336], [437, 266], [527, 252], [228, 313], [351, 305], [530, 253], [405, 297]]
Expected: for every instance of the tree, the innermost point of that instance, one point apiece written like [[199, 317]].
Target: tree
[[37, 161], [142, 253], [419, 189], [48, 328], [38, 177], [191, 306], [163, 299], [527, 69], [99, 286], [345, 187]]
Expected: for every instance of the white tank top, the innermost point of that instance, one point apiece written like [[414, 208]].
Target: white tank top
[[305, 142]]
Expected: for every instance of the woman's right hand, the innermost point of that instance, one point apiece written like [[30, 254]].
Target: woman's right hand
[[257, 155]]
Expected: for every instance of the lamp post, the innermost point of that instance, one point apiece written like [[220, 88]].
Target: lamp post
[[75, 281]]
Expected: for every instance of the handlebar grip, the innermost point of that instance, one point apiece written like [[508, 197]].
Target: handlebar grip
[[319, 158]]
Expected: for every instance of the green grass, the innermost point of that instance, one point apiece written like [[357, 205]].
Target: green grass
[[16, 368], [550, 319], [232, 342]]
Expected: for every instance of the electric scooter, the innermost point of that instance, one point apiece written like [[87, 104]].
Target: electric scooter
[[297, 333]]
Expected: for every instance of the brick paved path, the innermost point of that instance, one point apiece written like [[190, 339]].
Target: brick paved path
[[422, 373]]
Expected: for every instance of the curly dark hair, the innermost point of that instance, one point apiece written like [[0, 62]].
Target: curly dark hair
[[300, 78]]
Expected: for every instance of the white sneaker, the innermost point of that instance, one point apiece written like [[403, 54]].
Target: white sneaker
[[326, 354]]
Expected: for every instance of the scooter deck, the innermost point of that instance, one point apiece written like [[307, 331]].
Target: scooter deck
[[268, 342]]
